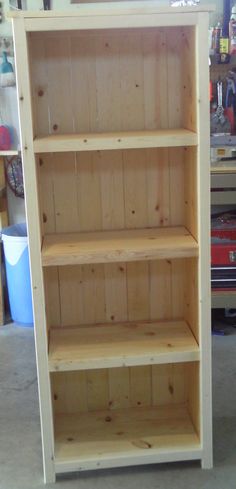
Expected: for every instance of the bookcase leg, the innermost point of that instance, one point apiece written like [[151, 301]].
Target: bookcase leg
[[207, 461], [49, 476]]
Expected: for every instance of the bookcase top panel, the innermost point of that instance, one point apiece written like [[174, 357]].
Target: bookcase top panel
[[111, 8]]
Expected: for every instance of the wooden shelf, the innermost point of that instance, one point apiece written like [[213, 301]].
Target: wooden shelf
[[117, 246], [115, 140], [10, 152], [124, 437], [121, 345], [223, 169], [137, 7], [223, 299]]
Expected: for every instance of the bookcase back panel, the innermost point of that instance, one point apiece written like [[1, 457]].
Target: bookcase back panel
[[123, 387], [105, 190], [95, 81], [92, 294]]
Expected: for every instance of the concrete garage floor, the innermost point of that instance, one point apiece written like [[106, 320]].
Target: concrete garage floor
[[20, 444]]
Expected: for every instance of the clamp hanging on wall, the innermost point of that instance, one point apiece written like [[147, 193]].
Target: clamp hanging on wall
[[46, 4]]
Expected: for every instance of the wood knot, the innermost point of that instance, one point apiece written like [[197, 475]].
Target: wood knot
[[108, 419], [55, 127], [142, 444], [40, 93]]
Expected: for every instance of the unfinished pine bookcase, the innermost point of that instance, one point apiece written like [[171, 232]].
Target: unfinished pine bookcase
[[113, 102]]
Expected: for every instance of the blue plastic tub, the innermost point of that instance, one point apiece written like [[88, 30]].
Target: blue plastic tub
[[15, 245]]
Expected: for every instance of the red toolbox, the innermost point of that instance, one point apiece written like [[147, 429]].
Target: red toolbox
[[223, 251]]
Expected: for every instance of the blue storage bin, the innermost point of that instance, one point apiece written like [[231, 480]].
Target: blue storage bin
[[15, 245]]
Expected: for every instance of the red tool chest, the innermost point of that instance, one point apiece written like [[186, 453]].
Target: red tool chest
[[223, 251]]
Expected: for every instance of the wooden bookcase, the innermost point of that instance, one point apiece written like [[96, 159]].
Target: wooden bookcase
[[113, 102]]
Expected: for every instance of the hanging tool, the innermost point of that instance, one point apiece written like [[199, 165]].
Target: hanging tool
[[46, 4], [220, 123], [7, 75]]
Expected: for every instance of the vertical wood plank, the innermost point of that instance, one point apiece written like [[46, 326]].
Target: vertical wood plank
[[178, 274], [155, 79], [177, 208], [116, 291], [158, 187], [169, 383], [89, 191], [52, 296], [71, 296], [107, 68], [135, 184], [69, 392], [93, 294], [131, 81], [46, 185], [59, 76], [188, 69], [83, 73], [138, 309], [65, 192], [138, 290], [33, 221], [174, 106], [119, 388], [140, 386], [160, 289], [194, 395], [190, 190], [40, 85], [97, 389], [191, 312], [112, 189], [203, 127]]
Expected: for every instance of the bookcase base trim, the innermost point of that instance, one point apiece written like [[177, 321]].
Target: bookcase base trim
[[61, 467]]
